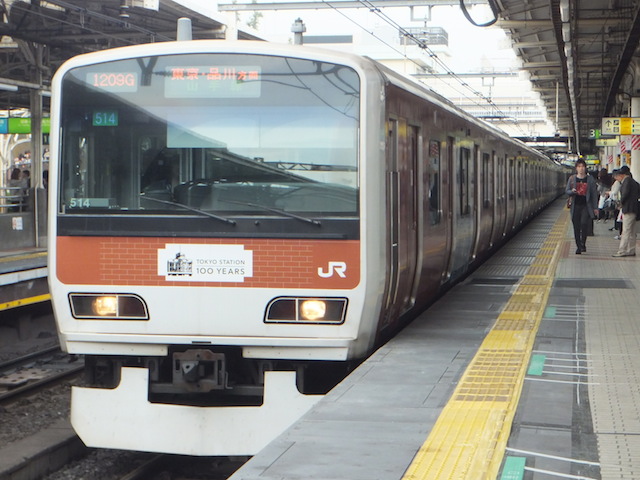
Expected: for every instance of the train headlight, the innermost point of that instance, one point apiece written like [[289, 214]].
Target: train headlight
[[106, 306], [313, 310], [306, 310], [117, 306]]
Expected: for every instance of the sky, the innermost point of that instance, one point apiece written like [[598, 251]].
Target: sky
[[468, 43]]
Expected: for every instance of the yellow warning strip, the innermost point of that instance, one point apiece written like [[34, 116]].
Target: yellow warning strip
[[24, 256], [469, 438], [25, 301]]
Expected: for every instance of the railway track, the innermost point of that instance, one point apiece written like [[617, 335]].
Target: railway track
[[184, 467], [66, 457], [28, 373]]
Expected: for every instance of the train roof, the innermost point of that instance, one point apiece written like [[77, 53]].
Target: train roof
[[422, 89]]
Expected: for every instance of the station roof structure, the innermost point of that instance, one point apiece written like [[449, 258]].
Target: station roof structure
[[580, 56], [36, 37]]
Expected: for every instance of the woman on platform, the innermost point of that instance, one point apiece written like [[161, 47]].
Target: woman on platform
[[583, 192]]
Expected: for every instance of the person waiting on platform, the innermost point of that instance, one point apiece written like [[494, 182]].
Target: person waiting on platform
[[604, 183], [26, 176], [614, 195], [582, 189], [629, 193]]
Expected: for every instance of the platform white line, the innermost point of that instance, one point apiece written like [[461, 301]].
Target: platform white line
[[568, 354], [560, 381], [553, 457], [558, 474]]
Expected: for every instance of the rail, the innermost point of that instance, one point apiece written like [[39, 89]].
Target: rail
[[22, 377]]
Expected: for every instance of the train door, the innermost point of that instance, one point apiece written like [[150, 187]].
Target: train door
[[449, 204], [527, 183], [477, 204], [500, 199], [519, 192], [463, 208], [484, 204], [411, 212], [511, 197], [402, 167], [494, 198], [435, 235]]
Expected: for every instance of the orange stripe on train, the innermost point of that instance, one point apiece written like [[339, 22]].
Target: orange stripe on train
[[266, 263]]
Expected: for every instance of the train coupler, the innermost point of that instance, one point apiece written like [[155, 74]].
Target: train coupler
[[199, 370]]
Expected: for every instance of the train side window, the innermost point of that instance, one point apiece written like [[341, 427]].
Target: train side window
[[463, 180], [434, 178]]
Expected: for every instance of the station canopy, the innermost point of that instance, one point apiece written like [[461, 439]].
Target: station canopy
[[581, 55], [36, 37]]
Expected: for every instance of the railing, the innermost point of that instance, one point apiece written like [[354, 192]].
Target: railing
[[23, 218], [13, 199]]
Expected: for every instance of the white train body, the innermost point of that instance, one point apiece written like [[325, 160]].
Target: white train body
[[233, 225]]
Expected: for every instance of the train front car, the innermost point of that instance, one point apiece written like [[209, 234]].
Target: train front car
[[206, 239]]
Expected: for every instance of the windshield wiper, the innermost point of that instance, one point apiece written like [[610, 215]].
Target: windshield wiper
[[192, 209], [277, 210]]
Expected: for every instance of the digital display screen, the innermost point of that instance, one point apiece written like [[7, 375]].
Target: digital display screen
[[90, 202], [213, 81], [113, 81], [105, 118]]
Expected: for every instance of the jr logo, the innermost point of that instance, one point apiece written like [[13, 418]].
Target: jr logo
[[337, 267]]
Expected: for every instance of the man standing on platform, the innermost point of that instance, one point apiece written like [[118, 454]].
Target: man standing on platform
[[629, 193]]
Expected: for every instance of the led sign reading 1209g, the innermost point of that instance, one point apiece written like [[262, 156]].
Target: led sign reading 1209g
[[113, 81], [228, 81]]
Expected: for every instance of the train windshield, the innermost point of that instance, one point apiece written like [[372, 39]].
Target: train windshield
[[226, 134]]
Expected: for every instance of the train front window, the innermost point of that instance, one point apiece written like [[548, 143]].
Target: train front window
[[226, 134]]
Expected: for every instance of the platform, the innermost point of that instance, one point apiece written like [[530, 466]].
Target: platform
[[23, 278], [526, 370]]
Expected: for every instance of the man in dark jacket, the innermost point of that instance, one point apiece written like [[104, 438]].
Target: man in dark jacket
[[629, 192]]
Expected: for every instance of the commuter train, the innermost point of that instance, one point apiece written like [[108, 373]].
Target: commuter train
[[235, 225]]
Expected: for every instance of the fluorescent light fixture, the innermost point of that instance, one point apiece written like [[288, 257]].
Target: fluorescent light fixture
[[8, 88]]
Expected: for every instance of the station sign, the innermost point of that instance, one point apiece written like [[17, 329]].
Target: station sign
[[19, 125], [608, 142], [620, 126], [22, 125]]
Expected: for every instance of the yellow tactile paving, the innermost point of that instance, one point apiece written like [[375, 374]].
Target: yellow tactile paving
[[470, 435]]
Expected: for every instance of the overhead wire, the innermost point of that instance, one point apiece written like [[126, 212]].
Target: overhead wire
[[433, 55], [422, 44], [392, 47]]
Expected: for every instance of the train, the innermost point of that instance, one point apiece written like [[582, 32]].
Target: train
[[235, 225]]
